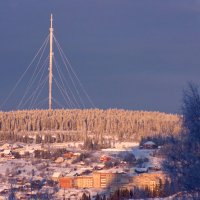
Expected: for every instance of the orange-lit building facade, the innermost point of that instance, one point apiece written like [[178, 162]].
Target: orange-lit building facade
[[150, 180], [83, 181], [114, 180], [66, 182]]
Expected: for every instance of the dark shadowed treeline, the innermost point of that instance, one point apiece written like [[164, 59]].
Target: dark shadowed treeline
[[183, 154], [76, 125]]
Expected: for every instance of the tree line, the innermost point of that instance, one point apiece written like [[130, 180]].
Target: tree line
[[124, 125]]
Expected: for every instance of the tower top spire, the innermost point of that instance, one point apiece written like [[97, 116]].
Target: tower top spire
[[51, 20]]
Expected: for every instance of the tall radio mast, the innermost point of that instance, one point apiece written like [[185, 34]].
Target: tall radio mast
[[51, 63]]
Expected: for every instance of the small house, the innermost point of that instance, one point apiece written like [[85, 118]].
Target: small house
[[149, 145], [7, 154], [59, 160], [140, 170], [105, 158], [5, 146], [68, 155], [56, 176]]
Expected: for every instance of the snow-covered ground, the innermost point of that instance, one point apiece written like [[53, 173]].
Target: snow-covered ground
[[76, 194], [45, 168]]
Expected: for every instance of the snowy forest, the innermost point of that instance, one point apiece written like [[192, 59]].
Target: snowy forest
[[74, 125]]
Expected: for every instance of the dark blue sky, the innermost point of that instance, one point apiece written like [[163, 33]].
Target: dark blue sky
[[132, 54]]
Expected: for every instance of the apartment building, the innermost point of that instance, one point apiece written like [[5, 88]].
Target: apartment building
[[83, 181], [99, 179], [150, 180]]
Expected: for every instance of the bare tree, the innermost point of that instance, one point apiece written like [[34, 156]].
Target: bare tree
[[183, 154]]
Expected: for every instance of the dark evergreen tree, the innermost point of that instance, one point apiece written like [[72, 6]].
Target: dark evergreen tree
[[104, 197], [12, 194], [97, 197], [85, 197]]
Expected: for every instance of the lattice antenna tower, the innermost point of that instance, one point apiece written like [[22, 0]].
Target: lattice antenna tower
[[51, 62]]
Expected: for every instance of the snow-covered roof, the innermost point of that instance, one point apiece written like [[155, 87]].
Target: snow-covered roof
[[22, 152], [113, 171], [149, 143], [56, 174], [77, 154], [141, 169], [5, 146], [31, 151], [100, 165], [59, 160], [6, 151]]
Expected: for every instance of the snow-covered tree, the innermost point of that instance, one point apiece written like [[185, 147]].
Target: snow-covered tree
[[183, 155], [73, 125]]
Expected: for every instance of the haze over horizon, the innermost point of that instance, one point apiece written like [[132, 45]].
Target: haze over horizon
[[136, 55]]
